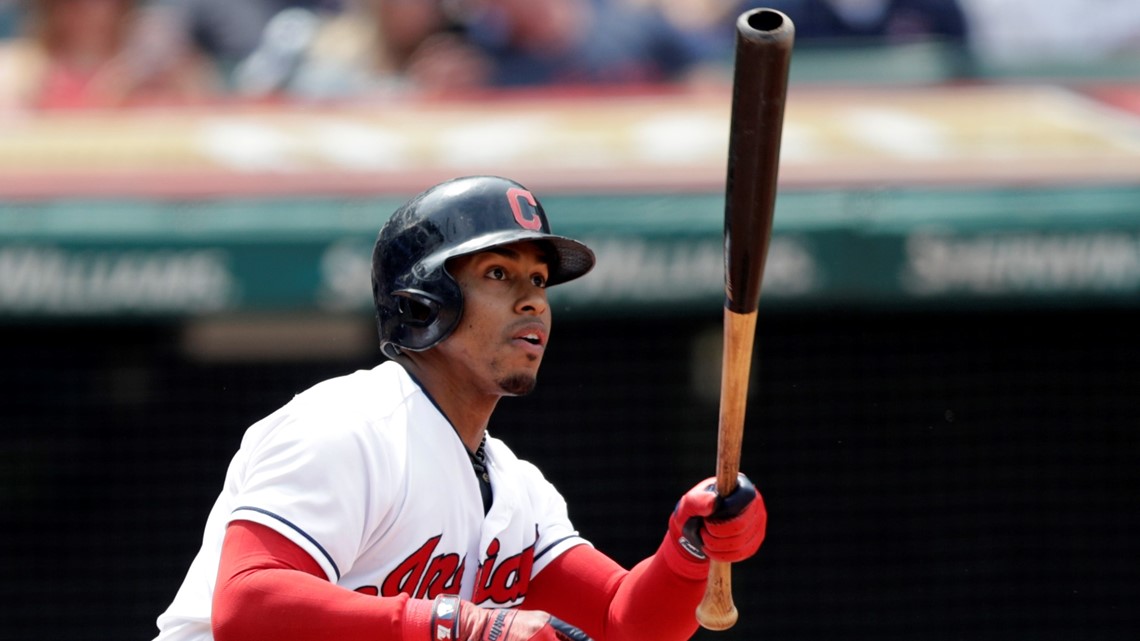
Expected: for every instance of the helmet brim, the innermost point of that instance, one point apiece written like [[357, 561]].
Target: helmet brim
[[570, 259]]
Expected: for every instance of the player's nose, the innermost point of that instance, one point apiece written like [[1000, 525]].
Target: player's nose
[[532, 300]]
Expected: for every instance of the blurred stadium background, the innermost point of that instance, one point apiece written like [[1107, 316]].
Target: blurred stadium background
[[944, 413]]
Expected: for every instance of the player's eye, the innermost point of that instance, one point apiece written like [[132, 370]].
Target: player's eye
[[497, 273], [539, 280]]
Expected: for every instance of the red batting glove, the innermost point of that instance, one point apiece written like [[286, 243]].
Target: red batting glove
[[449, 618], [707, 526]]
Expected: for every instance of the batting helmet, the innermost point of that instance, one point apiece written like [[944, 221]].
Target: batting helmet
[[418, 303]]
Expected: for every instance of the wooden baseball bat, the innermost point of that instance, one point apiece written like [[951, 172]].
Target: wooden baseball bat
[[764, 39]]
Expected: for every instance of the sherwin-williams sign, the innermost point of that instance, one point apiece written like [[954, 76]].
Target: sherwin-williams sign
[[663, 253]]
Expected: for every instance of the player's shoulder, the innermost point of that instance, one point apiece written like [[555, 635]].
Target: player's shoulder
[[503, 456], [527, 476], [367, 392], [364, 401], [356, 416]]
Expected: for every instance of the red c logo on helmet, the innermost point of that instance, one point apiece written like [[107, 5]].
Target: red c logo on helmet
[[528, 218]]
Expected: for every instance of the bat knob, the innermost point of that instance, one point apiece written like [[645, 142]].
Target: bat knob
[[717, 611]]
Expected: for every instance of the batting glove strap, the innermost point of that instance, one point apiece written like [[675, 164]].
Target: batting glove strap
[[445, 618], [689, 517], [680, 561], [432, 620]]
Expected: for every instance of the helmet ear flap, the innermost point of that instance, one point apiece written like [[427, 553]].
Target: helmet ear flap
[[417, 308], [422, 319]]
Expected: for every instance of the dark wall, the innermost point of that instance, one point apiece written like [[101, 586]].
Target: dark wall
[[929, 475]]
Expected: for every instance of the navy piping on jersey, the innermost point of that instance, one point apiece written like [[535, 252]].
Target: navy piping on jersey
[[296, 529], [548, 548], [428, 395]]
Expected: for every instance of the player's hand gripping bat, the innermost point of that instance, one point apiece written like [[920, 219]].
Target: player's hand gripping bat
[[764, 39]]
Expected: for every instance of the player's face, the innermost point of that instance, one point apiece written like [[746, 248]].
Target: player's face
[[505, 326]]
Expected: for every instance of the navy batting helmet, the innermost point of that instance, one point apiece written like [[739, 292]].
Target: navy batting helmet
[[418, 303]]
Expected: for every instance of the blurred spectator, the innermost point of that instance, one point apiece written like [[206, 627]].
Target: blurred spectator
[[579, 42], [10, 15], [844, 22], [229, 31], [441, 47], [710, 21], [372, 47], [350, 48], [87, 53], [1021, 32]]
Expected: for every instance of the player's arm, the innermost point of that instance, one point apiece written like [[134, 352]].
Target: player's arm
[[269, 588], [657, 599]]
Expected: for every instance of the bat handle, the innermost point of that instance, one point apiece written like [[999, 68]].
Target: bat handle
[[717, 611]]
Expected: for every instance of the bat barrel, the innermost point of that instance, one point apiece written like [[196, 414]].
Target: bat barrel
[[764, 40]]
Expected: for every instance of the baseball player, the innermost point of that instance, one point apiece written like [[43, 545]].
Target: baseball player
[[377, 506]]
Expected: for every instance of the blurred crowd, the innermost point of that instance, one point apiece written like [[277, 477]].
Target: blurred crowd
[[58, 54]]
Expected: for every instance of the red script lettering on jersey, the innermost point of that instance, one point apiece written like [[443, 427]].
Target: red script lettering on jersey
[[424, 576], [506, 581]]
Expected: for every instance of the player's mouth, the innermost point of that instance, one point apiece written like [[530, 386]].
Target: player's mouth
[[530, 337]]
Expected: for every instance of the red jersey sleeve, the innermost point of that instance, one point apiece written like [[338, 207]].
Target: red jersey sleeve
[[269, 588], [591, 591]]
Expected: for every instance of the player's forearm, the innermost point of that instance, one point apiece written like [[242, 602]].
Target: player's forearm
[[268, 588], [657, 600], [287, 605]]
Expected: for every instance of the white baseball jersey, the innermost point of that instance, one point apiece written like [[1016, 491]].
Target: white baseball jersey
[[367, 475]]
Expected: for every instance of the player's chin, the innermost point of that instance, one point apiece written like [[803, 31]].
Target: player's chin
[[519, 384]]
